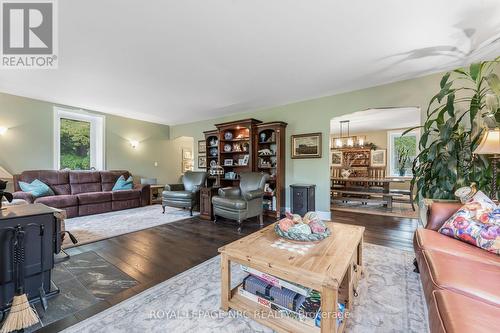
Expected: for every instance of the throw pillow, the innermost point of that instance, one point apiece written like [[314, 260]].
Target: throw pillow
[[476, 223], [122, 184], [37, 188]]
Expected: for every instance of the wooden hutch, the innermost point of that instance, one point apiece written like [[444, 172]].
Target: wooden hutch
[[244, 146]]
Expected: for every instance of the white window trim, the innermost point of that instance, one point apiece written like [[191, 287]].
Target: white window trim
[[390, 149], [97, 137]]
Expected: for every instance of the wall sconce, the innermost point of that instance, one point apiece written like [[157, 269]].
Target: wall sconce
[[134, 144], [3, 130]]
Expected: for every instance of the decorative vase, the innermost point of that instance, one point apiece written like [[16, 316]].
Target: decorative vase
[[345, 173], [402, 172]]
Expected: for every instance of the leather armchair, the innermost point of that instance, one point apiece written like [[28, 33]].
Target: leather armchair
[[243, 202], [185, 195]]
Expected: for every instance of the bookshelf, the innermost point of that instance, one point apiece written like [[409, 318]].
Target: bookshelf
[[212, 143], [236, 149], [270, 159]]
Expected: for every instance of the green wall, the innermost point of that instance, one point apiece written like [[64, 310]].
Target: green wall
[[28, 144], [314, 116]]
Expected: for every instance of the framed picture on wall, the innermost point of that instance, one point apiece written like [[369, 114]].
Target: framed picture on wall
[[337, 158], [306, 145], [202, 147], [187, 165], [378, 158], [202, 162], [187, 154]]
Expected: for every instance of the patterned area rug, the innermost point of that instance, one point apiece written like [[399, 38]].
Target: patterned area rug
[[92, 228], [390, 300], [398, 209]]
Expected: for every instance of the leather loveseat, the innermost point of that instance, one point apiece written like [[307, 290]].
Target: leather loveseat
[[82, 193], [461, 282]]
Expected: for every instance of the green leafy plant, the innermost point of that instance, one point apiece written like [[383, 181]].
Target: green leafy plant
[[457, 116]]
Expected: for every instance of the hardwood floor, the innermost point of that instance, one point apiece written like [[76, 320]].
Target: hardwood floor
[[154, 255], [390, 231]]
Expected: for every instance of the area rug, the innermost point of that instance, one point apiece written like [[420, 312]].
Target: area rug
[[399, 209], [390, 300], [92, 228]]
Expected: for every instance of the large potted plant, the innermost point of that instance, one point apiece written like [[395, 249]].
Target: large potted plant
[[467, 103]]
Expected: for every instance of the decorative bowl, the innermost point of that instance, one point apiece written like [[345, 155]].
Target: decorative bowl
[[301, 237], [213, 151], [228, 136], [227, 147]]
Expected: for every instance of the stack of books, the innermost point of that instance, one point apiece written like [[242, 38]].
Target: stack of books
[[287, 298]]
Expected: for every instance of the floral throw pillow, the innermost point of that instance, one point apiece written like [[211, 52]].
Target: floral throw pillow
[[476, 223]]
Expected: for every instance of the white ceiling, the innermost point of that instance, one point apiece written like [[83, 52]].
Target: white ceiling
[[180, 61], [377, 120]]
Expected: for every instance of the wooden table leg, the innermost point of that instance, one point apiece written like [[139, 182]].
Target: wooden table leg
[[360, 257], [388, 198], [225, 272], [329, 297]]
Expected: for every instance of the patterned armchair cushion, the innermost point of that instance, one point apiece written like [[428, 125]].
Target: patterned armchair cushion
[[476, 223]]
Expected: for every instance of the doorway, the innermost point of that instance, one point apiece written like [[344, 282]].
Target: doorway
[[371, 158]]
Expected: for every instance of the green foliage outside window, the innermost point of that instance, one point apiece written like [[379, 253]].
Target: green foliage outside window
[[75, 144], [406, 150]]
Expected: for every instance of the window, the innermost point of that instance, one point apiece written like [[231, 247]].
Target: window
[[78, 140], [402, 152]]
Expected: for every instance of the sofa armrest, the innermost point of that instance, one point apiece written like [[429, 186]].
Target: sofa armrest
[[28, 197], [250, 195], [440, 212], [230, 192], [174, 187], [145, 193]]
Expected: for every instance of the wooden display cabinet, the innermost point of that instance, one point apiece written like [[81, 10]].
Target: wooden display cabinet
[[270, 158], [212, 144], [236, 144]]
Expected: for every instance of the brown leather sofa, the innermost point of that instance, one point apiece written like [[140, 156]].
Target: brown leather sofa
[[461, 282], [82, 193]]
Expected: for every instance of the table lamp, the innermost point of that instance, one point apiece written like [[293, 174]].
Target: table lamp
[[490, 145], [216, 171]]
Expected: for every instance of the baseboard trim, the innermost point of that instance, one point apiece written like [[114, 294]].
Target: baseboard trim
[[327, 216]]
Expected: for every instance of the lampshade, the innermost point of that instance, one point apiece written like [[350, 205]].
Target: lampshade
[[4, 174], [490, 144]]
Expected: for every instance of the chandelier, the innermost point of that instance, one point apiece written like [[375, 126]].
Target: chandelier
[[347, 140]]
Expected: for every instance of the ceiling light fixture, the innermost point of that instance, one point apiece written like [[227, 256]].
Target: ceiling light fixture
[[134, 144]]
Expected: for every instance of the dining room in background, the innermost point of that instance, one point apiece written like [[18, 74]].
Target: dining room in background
[[364, 149]]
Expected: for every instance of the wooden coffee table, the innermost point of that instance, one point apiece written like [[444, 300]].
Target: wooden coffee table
[[333, 267]]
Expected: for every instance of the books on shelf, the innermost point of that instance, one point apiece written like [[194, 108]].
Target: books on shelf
[[314, 322], [276, 282], [304, 314]]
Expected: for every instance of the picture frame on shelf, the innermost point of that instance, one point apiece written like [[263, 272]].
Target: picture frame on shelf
[[202, 161], [306, 145], [378, 158], [246, 159], [228, 162], [202, 147], [337, 158]]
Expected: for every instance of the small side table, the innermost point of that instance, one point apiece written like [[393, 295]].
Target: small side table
[[206, 209], [155, 194]]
